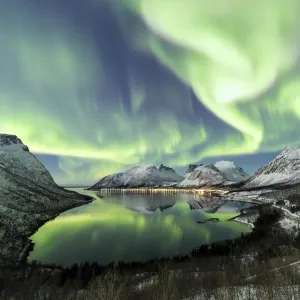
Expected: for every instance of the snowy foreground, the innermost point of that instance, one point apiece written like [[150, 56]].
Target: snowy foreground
[[250, 292], [29, 197]]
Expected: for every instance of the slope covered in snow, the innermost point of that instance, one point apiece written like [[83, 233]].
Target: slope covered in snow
[[219, 174], [140, 176], [284, 170], [232, 171], [203, 176], [28, 197]]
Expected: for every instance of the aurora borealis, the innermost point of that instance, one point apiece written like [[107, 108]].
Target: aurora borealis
[[96, 86]]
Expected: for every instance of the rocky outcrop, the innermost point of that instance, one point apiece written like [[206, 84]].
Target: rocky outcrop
[[28, 197], [9, 141]]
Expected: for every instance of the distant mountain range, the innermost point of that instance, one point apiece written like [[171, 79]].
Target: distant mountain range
[[28, 197], [283, 171], [222, 173]]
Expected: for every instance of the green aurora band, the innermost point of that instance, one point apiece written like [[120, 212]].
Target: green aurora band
[[241, 58]]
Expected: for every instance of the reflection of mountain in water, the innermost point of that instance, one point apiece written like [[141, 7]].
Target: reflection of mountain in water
[[150, 210], [109, 229], [233, 206], [145, 204], [207, 204], [216, 205], [149, 204]]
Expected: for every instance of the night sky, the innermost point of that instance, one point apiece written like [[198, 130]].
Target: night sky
[[96, 86]]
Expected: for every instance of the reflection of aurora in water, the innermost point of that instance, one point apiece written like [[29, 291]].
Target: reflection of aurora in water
[[106, 231]]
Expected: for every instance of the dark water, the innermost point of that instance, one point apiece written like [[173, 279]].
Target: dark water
[[135, 228]]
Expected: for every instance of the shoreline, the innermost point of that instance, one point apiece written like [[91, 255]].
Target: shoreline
[[29, 244]]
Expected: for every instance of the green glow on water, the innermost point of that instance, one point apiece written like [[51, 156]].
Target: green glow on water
[[105, 231]]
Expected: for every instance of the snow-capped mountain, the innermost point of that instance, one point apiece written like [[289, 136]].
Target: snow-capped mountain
[[204, 176], [140, 176], [219, 174], [28, 197], [282, 171], [232, 172]]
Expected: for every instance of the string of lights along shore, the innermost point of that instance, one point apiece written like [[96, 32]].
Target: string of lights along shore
[[159, 191]]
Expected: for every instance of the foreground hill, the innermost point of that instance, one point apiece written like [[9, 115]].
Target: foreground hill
[[140, 176], [222, 173], [284, 170], [28, 197]]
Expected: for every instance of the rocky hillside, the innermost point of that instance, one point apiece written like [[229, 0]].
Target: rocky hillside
[[284, 170], [28, 197], [140, 176]]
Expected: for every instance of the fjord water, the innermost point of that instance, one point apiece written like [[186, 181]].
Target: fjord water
[[130, 227]]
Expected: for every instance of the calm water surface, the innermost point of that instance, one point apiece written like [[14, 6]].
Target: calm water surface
[[134, 228]]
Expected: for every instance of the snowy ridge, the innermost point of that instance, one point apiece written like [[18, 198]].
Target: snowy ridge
[[283, 170], [140, 176], [203, 176]]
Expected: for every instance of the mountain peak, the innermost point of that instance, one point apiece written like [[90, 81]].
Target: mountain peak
[[191, 168], [217, 174], [231, 171], [203, 176], [293, 152], [10, 142], [284, 169], [162, 167], [140, 176]]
